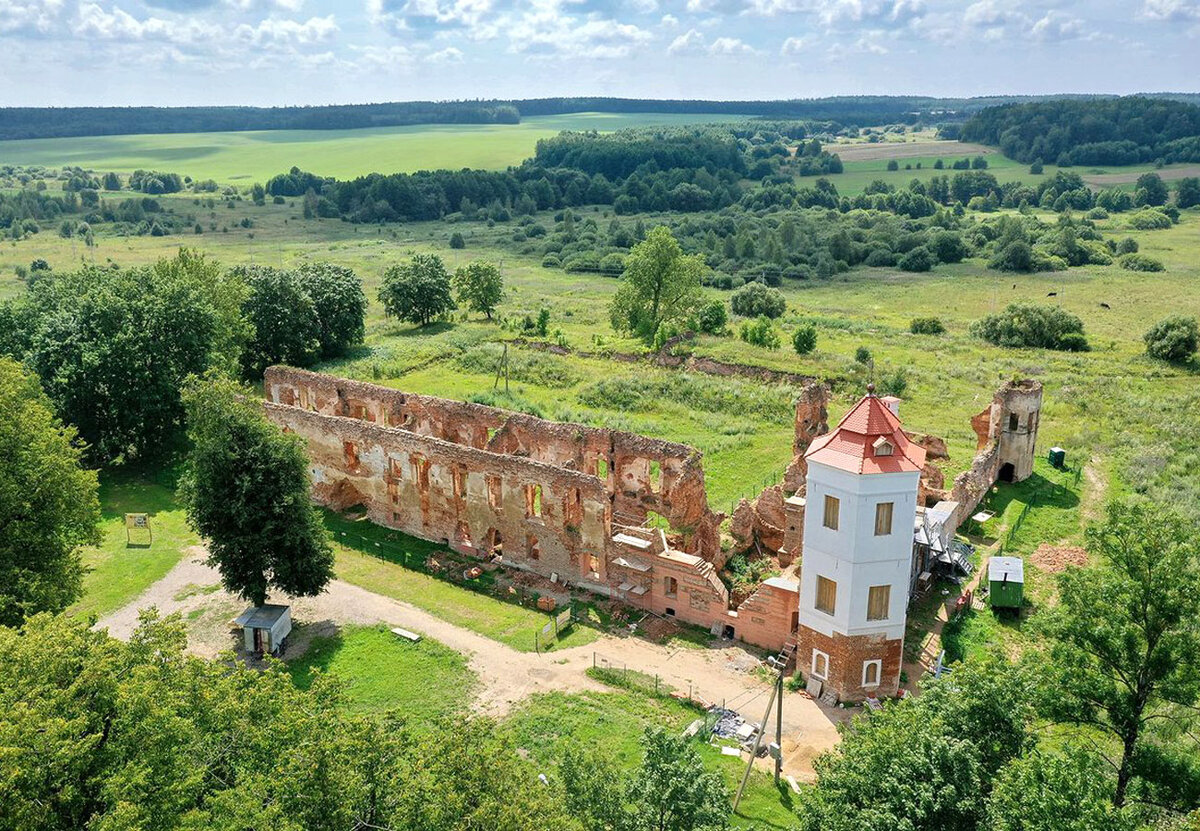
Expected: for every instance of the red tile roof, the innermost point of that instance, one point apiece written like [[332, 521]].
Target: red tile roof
[[850, 445]]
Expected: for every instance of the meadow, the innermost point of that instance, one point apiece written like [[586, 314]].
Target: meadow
[[255, 156]]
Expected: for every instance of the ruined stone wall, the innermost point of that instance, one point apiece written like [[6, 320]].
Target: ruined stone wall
[[539, 517], [640, 474], [769, 615]]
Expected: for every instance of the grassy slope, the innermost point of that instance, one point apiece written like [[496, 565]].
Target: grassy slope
[[119, 572], [256, 156], [384, 672]]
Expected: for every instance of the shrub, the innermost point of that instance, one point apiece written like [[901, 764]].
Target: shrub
[[1149, 220], [880, 257], [712, 318], [805, 339], [1140, 262], [926, 326], [551, 261], [948, 247], [862, 355], [457, 240], [919, 259], [760, 332], [893, 165], [1030, 325], [755, 300], [1174, 339], [895, 383], [1127, 246], [1016, 256]]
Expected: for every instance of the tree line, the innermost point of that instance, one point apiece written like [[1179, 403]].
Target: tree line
[[1112, 131]]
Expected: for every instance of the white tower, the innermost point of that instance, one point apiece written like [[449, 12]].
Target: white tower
[[858, 543]]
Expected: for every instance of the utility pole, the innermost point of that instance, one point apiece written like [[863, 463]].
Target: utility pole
[[779, 664]]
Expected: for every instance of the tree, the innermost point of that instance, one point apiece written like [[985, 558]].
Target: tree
[[48, 502], [479, 286], [1150, 190], [926, 326], [660, 286], [760, 332], [1031, 325], [919, 259], [340, 305], [112, 181], [245, 487], [417, 291], [283, 316], [1044, 791], [925, 762], [805, 339], [1188, 193], [457, 240], [1175, 338], [948, 247], [1124, 647], [671, 790], [754, 299], [712, 318], [112, 347], [106, 734]]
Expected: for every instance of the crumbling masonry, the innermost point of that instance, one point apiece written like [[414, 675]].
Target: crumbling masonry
[[579, 504]]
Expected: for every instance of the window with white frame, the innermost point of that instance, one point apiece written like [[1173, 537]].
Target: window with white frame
[[871, 672], [820, 665]]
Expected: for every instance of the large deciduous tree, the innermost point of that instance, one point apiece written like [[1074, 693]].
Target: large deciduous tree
[[340, 304], [102, 734], [660, 287], [1124, 653], [48, 504], [246, 490], [417, 291], [671, 791], [112, 347], [479, 286], [284, 318]]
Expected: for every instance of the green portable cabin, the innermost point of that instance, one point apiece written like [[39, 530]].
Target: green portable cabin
[[1006, 582]]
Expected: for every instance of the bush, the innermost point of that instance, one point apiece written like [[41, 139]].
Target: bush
[[1030, 325], [551, 261], [1127, 246], [1174, 339], [755, 300], [893, 165], [457, 240], [926, 326], [712, 318], [1016, 256], [1149, 220], [1140, 262], [919, 259], [805, 339], [895, 383], [862, 355], [760, 332], [948, 247]]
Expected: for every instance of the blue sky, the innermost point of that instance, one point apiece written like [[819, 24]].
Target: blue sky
[[266, 52]]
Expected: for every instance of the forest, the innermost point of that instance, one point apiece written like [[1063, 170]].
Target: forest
[[1114, 131]]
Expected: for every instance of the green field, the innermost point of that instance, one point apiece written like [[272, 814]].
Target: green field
[[255, 156], [382, 671]]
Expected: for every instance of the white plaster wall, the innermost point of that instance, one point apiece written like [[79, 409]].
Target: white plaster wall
[[853, 556]]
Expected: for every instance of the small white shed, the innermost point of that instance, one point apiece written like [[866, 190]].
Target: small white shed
[[264, 627]]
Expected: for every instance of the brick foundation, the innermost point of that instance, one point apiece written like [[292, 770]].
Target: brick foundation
[[846, 656]]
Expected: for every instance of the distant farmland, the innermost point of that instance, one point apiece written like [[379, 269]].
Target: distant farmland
[[256, 156]]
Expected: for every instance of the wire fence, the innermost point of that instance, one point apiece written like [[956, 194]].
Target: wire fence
[[774, 477]]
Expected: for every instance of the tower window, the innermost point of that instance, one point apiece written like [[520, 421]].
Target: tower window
[[883, 447], [883, 518], [670, 586], [1014, 421], [820, 665], [879, 598], [826, 595], [833, 507], [871, 672]]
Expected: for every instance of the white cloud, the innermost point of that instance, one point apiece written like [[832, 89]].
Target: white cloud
[[796, 46], [669, 21], [730, 46], [852, 13], [31, 16], [447, 55], [118, 25], [292, 33], [384, 57], [690, 41], [1170, 10], [1056, 26]]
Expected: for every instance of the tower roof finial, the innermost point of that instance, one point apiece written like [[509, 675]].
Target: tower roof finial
[[870, 389]]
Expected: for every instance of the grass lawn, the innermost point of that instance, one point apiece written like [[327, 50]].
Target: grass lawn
[[255, 156], [613, 723], [117, 572], [425, 680], [392, 564]]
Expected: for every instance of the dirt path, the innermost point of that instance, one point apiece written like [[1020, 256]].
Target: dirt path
[[506, 676]]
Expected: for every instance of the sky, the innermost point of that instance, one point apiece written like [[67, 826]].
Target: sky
[[284, 52]]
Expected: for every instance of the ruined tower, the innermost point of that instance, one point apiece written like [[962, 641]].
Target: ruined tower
[[858, 536], [1011, 423]]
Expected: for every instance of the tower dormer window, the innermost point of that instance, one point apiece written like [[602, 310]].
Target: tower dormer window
[[883, 447]]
